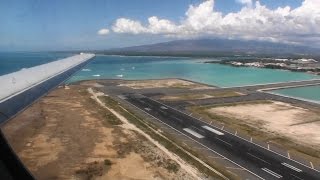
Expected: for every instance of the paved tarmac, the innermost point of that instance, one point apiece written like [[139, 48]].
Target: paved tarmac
[[261, 162], [238, 153]]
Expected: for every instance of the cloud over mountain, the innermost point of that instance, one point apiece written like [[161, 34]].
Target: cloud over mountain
[[253, 21], [103, 31]]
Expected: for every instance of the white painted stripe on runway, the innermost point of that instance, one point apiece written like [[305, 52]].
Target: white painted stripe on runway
[[213, 130], [272, 173], [148, 109], [163, 107], [257, 158], [291, 167], [177, 119], [296, 176], [240, 136], [196, 140], [122, 97], [224, 141], [193, 133]]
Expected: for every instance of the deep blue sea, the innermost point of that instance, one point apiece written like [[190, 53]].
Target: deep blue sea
[[15, 61], [125, 67]]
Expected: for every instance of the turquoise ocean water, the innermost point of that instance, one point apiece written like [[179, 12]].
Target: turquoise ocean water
[[309, 93], [188, 68], [113, 67]]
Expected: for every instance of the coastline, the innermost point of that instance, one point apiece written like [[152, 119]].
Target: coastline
[[315, 71]]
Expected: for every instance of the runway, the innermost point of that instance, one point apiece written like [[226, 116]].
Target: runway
[[259, 161]]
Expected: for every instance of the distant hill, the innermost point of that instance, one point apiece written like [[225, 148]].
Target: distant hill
[[213, 47]]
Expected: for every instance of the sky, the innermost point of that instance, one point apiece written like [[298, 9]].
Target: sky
[[38, 25]]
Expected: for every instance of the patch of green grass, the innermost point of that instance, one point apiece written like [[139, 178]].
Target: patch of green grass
[[111, 118], [172, 166], [107, 162]]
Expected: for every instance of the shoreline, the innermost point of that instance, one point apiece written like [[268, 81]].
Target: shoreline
[[315, 71], [265, 90]]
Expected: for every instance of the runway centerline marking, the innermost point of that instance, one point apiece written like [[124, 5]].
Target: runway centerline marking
[[223, 141], [223, 157], [258, 158], [240, 137], [272, 173], [296, 176], [193, 133]]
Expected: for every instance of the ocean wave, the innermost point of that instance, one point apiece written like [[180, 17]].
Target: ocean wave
[[86, 70]]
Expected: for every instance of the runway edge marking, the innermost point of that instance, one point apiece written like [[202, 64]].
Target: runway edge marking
[[198, 142], [238, 136]]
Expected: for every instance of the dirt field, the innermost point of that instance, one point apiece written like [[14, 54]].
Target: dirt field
[[66, 135], [164, 83], [277, 117], [278, 120]]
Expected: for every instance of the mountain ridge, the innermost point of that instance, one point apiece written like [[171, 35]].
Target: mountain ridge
[[214, 46]]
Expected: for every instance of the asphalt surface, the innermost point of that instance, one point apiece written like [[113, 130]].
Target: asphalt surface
[[252, 96], [261, 162]]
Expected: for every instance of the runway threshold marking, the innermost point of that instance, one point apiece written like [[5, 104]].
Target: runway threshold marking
[[272, 173], [213, 130], [243, 139], [223, 157], [193, 133], [291, 167]]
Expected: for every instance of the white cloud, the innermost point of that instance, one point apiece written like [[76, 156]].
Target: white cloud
[[103, 31], [246, 2], [124, 25], [161, 26], [253, 21]]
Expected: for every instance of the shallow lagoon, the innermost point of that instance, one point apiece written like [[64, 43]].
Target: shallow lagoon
[[310, 93], [113, 67]]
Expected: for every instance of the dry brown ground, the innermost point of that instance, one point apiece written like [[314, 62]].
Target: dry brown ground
[[66, 135], [293, 122], [292, 128], [164, 83]]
